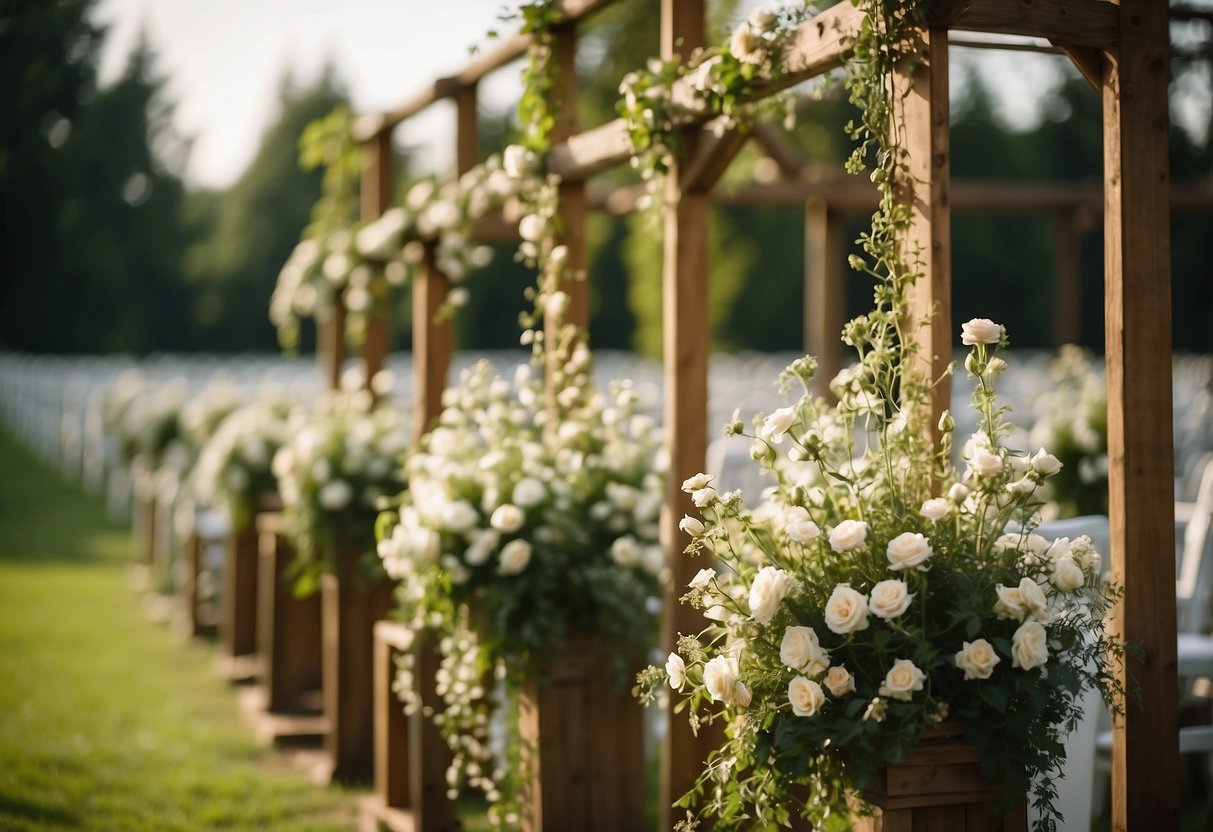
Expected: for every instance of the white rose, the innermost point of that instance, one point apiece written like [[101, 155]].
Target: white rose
[[335, 495], [846, 611], [676, 669], [777, 424], [985, 463], [1045, 464], [1067, 574], [802, 651], [507, 518], [531, 228], [980, 331], [625, 551], [460, 516], [691, 526], [806, 696], [763, 19], [481, 547], [902, 680], [1009, 604], [1029, 646], [839, 681], [768, 589], [703, 496], [529, 492], [803, 532], [889, 599], [935, 508], [695, 483], [745, 45], [1033, 599], [703, 578], [515, 556], [957, 493], [909, 550], [516, 161], [848, 535], [977, 659], [720, 677]]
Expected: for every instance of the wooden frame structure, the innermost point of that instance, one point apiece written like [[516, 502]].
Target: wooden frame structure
[[1122, 49]]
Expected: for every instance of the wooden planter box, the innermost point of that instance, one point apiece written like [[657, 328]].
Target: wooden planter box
[[582, 737], [938, 785], [411, 756], [285, 706], [236, 656], [350, 605]]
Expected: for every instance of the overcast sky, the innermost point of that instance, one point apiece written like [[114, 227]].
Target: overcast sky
[[225, 58]]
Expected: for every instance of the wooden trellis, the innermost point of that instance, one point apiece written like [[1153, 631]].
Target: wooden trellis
[[1123, 50]]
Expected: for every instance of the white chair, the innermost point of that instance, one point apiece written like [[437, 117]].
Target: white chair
[[1194, 575]]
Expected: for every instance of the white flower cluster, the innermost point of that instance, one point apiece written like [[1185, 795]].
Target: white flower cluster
[[234, 466], [339, 465], [145, 418]]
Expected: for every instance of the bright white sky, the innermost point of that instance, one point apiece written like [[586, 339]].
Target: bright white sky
[[225, 58]]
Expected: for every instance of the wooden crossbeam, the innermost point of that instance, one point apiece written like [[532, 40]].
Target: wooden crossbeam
[[1065, 22], [717, 149]]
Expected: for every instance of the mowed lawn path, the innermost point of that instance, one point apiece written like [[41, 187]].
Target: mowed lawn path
[[108, 721]]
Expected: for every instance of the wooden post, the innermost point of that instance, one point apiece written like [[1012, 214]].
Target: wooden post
[[466, 129], [375, 196], [433, 344], [929, 239], [391, 736], [1067, 286], [1137, 326], [330, 345], [686, 342], [571, 211], [350, 604], [824, 291]]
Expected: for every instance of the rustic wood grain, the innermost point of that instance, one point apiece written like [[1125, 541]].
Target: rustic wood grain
[[825, 274]]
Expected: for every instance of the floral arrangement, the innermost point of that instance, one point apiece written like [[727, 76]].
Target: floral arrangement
[[1072, 419], [234, 466], [145, 419], [338, 466], [877, 593], [518, 534]]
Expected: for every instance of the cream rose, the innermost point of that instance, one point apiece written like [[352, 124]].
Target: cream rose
[[801, 650], [507, 518], [889, 599], [515, 556], [846, 611], [839, 681], [676, 669], [702, 578], [691, 525], [768, 589], [529, 492], [848, 535], [720, 677], [1067, 574], [777, 424], [703, 496], [695, 483], [625, 551], [902, 680], [1009, 604], [935, 508], [1045, 464], [909, 550], [985, 463], [803, 532], [980, 331], [1033, 599], [1029, 646], [806, 696], [977, 659], [460, 516]]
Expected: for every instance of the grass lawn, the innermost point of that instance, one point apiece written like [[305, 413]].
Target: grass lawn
[[106, 720]]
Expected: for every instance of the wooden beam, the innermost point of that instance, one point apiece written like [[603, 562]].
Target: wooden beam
[[780, 148], [1137, 332], [924, 113], [433, 343], [1089, 62], [1064, 22], [824, 291], [719, 146], [375, 196], [466, 129], [330, 345]]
